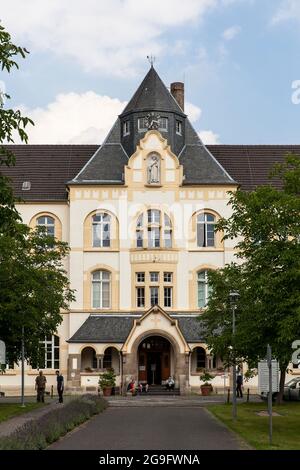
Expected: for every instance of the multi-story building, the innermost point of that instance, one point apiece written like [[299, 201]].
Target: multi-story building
[[138, 213]]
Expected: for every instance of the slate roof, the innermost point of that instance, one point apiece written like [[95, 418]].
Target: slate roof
[[47, 167], [115, 328], [50, 167], [152, 94]]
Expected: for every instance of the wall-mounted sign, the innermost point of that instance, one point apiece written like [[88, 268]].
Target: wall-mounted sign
[[263, 376], [142, 368], [153, 367]]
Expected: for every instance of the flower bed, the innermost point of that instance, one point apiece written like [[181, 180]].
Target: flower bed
[[38, 434]]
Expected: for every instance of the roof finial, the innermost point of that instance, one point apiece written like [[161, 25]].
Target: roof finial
[[151, 58]]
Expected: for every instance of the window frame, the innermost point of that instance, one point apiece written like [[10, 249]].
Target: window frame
[[203, 283], [101, 224], [47, 225], [178, 127], [126, 128], [202, 226], [101, 282]]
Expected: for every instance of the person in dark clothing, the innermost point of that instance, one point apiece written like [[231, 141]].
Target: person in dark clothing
[[239, 384], [60, 386], [40, 385]]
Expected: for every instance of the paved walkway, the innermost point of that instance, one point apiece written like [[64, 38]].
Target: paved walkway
[[150, 428]]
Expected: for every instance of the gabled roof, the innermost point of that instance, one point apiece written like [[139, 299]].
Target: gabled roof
[[152, 94], [50, 167], [115, 328]]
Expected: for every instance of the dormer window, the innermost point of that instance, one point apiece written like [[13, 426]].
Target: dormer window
[[178, 127], [142, 124], [163, 124], [126, 128], [26, 186]]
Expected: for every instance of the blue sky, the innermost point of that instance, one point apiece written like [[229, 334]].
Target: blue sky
[[238, 59]]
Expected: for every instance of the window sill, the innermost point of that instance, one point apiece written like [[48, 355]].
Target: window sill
[[109, 250], [206, 249]]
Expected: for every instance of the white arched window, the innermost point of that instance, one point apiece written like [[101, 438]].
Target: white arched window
[[206, 230], [101, 287], [101, 230], [48, 223], [203, 288], [158, 227]]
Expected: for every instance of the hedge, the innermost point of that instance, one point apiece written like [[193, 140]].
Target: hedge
[[40, 433]]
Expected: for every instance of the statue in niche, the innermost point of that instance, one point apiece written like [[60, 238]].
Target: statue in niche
[[153, 170]]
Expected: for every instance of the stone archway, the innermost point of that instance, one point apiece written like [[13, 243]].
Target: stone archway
[[155, 354]]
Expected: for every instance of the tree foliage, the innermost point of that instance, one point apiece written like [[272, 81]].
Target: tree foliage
[[266, 225], [34, 286]]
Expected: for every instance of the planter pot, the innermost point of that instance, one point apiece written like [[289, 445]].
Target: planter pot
[[206, 389], [107, 391]]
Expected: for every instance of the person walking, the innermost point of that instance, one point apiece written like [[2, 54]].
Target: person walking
[[239, 384], [40, 385], [60, 386]]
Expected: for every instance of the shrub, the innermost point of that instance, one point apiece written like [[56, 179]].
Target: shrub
[[38, 434]]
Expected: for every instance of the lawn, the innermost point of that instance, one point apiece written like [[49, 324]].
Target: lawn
[[254, 429], [9, 410]]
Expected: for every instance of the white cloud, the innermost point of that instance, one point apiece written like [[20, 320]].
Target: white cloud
[[112, 37], [209, 137], [231, 33], [193, 111], [74, 118], [288, 10]]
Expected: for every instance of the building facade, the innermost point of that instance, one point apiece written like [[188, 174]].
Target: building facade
[[138, 213]]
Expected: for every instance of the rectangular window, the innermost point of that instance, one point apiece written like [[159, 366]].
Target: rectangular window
[[126, 128], [140, 296], [153, 296], [153, 216], [142, 125], [168, 296], [168, 238], [139, 239], [179, 127], [168, 277], [200, 235], [153, 237], [154, 277], [140, 277], [163, 124]]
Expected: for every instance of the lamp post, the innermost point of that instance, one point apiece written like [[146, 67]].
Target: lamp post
[[233, 297]]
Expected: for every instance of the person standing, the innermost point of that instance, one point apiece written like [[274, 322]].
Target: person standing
[[239, 384], [40, 385], [60, 386]]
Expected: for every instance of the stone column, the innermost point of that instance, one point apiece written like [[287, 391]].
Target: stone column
[[100, 361], [182, 372], [74, 368]]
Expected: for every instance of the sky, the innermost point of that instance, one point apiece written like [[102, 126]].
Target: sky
[[239, 60]]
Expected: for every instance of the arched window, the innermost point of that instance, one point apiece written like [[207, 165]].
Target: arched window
[[107, 359], [201, 358], [203, 288], [101, 282], [48, 223], [158, 227], [88, 359], [206, 230], [101, 223]]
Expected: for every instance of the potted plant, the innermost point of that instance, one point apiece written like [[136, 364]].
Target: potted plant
[[107, 381], [206, 388]]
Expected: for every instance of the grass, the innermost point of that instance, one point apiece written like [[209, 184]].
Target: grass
[[254, 429], [9, 410]]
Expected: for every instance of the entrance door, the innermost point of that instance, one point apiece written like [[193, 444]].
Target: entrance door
[[154, 360]]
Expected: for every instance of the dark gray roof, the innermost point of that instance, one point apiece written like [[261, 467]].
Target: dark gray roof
[[107, 164], [50, 167], [199, 165], [103, 329], [152, 94], [116, 328]]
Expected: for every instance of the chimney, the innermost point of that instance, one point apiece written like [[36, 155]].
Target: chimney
[[177, 90]]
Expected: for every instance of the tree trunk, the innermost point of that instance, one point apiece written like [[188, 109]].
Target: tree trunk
[[279, 399]]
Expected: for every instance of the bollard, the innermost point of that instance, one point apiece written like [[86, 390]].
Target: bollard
[[228, 395], [51, 391], [248, 395]]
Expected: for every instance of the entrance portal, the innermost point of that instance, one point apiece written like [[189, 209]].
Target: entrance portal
[[154, 360]]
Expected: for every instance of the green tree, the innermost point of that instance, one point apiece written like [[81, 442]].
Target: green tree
[[34, 286], [266, 223]]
